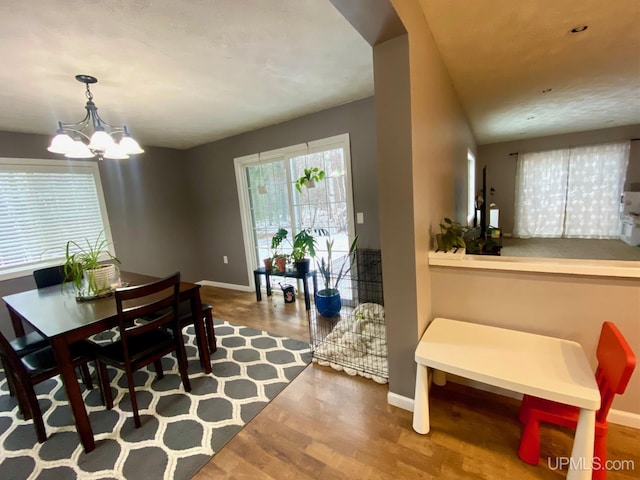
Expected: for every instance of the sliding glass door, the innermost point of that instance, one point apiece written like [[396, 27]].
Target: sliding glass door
[[269, 199]]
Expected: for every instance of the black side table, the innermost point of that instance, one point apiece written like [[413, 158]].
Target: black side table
[[289, 273]]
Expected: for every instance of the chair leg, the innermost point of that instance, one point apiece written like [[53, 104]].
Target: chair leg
[[600, 453], [183, 364], [132, 397], [529, 449], [9, 377], [211, 333], [86, 376], [105, 389], [157, 365]]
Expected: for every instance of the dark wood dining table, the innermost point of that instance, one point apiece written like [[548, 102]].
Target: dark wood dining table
[[55, 313]]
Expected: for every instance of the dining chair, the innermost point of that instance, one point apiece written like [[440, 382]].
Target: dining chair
[[616, 362], [24, 372], [32, 341], [48, 277], [146, 342]]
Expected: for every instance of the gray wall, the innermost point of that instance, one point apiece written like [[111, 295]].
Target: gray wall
[[212, 174], [501, 167]]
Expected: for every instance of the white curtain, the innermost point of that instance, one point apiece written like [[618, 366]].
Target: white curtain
[[571, 192]]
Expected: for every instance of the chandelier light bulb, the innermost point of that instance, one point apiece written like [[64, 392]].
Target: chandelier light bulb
[[79, 150], [61, 143], [130, 146], [101, 141], [115, 152]]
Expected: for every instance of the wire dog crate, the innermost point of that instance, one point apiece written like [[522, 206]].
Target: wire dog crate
[[355, 341]]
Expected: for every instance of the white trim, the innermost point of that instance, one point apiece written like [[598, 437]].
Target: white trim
[[282, 154], [243, 198], [569, 266], [400, 401], [229, 286], [617, 417]]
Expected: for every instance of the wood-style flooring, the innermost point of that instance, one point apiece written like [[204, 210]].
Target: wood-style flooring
[[328, 425]]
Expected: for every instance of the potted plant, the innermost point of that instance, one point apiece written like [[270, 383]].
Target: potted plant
[[328, 301], [304, 243], [276, 251], [451, 236], [310, 177], [83, 267]]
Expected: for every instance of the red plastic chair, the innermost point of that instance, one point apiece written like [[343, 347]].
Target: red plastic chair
[[616, 362]]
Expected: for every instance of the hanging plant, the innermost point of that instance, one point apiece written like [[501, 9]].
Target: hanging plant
[[310, 177]]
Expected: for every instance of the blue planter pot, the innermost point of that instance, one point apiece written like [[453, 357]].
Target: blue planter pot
[[328, 303]]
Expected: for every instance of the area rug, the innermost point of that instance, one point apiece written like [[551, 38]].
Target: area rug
[[180, 431]]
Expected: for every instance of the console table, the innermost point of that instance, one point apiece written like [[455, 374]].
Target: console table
[[289, 273]]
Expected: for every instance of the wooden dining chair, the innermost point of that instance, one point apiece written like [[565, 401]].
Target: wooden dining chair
[[146, 342], [24, 372], [47, 277], [616, 362]]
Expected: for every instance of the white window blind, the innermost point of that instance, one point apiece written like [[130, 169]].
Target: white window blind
[[43, 205]]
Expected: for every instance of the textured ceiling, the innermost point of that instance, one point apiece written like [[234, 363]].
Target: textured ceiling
[[502, 54], [182, 73]]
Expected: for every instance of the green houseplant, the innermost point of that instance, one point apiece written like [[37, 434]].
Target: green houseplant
[[276, 251], [328, 301], [451, 236], [304, 243], [310, 177], [83, 267]]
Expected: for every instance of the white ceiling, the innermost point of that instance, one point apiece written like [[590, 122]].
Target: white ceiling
[[183, 73]]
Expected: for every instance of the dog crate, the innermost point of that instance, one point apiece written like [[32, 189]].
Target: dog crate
[[355, 341]]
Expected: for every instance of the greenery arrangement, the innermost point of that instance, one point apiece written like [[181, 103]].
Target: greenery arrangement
[[86, 258], [451, 236], [331, 281], [311, 175], [305, 243]]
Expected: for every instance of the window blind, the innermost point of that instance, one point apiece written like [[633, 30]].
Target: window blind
[[42, 207]]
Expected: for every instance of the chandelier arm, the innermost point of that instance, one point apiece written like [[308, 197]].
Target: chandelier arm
[[114, 128], [75, 131], [81, 124]]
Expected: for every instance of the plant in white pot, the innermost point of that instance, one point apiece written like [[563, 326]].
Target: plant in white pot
[[83, 267], [328, 301]]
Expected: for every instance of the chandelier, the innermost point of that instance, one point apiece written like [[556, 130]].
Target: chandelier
[[72, 141]]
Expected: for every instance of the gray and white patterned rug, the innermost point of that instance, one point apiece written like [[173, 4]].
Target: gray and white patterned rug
[[180, 431]]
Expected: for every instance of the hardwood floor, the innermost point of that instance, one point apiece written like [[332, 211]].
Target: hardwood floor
[[328, 425]]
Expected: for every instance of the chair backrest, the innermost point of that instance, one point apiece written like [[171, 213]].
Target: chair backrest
[[616, 362], [46, 277], [156, 302]]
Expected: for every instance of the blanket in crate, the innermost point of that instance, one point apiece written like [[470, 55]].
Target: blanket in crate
[[357, 344]]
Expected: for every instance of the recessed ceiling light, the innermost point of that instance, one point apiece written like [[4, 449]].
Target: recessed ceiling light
[[578, 29], [547, 90]]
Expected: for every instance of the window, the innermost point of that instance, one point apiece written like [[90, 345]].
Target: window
[[471, 186], [269, 199], [43, 205], [574, 192]]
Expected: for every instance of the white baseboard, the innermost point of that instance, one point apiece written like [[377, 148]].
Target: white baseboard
[[399, 401], [618, 417], [230, 286]]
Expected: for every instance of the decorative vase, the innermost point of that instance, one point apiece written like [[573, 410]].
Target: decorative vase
[[328, 302], [281, 263], [99, 280]]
